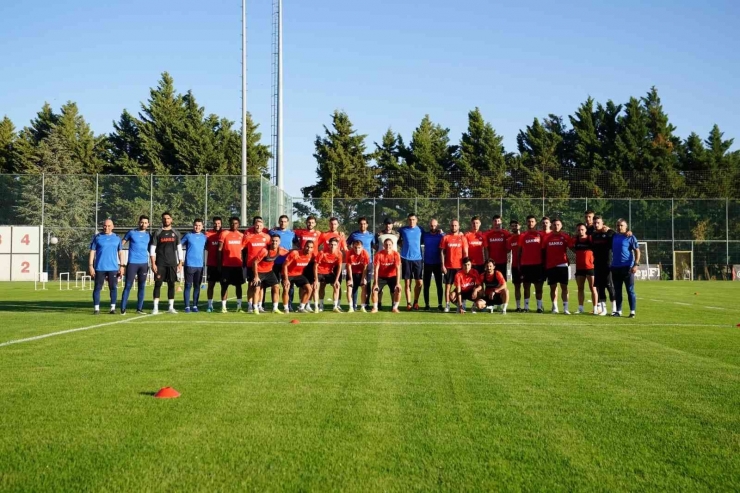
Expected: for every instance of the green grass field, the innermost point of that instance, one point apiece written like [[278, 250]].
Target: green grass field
[[413, 401]]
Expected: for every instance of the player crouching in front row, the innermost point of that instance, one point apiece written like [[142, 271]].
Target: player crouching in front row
[[496, 292], [294, 270], [468, 287]]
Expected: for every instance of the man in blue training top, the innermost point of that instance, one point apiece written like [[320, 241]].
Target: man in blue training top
[[411, 261], [105, 263], [287, 238], [432, 261], [195, 243], [137, 265], [367, 238], [625, 260]]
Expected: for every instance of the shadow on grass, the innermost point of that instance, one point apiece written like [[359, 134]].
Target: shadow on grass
[[148, 394], [49, 306]]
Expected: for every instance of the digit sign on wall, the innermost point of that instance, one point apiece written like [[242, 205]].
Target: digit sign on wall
[[24, 267], [20, 253]]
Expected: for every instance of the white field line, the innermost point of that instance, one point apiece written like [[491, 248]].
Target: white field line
[[277, 320], [69, 331], [689, 304]]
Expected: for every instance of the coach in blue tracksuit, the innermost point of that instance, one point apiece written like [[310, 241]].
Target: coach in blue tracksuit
[[137, 266], [287, 237], [625, 260], [411, 262], [195, 243], [105, 263], [432, 261]]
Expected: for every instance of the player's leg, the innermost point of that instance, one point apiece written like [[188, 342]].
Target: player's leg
[[417, 276], [629, 283], [580, 283], [503, 296], [275, 297], [128, 284], [438, 283], [395, 294], [427, 279], [610, 288], [171, 293], [188, 288], [239, 293], [99, 281], [454, 297], [113, 288], [594, 293], [141, 275], [527, 294], [197, 280], [618, 280], [375, 296], [538, 296], [322, 295], [553, 284], [157, 290], [335, 293], [564, 296]]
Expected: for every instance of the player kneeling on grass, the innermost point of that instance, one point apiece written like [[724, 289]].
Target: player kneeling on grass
[[468, 287], [387, 266], [357, 263], [264, 266], [294, 269], [328, 270], [496, 292]]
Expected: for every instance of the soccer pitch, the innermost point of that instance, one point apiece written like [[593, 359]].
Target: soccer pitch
[[411, 401]]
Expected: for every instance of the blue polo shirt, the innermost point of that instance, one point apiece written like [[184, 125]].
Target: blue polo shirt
[[410, 242], [106, 248], [138, 246], [367, 238], [287, 237], [431, 247], [623, 250], [195, 243]]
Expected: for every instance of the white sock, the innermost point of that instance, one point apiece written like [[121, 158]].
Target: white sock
[[632, 312], [336, 303], [156, 304], [565, 306], [448, 304], [539, 304], [239, 303], [518, 304], [275, 305], [223, 303], [395, 304], [172, 304], [286, 307], [97, 308], [210, 303], [603, 306], [375, 306], [580, 308], [554, 306], [321, 305], [112, 306], [526, 304], [302, 305], [503, 307], [614, 306], [249, 304]]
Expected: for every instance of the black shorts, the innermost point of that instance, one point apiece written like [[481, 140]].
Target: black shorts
[[450, 276], [308, 272], [467, 295], [411, 269], [391, 282], [356, 281], [502, 269], [214, 274], [603, 277], [557, 275], [249, 274], [268, 279], [166, 274], [480, 269], [493, 298], [193, 275], [532, 273], [584, 272], [299, 281], [327, 278], [232, 276], [516, 276], [278, 271]]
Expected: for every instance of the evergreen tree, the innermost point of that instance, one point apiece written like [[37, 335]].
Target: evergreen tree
[[85, 147], [160, 120], [541, 151], [482, 158], [7, 141], [126, 154], [392, 173]]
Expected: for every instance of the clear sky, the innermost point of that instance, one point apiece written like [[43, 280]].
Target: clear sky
[[385, 62]]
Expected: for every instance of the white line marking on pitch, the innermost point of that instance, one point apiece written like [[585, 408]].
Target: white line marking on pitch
[[69, 331], [274, 321]]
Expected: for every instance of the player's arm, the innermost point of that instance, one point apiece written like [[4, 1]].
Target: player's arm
[[121, 267], [338, 276], [153, 253], [465, 246], [220, 253], [91, 260], [363, 281], [316, 272], [636, 249], [398, 272], [442, 256], [376, 269], [501, 283], [286, 281]]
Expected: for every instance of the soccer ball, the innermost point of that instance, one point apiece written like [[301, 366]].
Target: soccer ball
[[54, 240]]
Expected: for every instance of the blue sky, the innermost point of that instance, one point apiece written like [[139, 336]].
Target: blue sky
[[385, 62]]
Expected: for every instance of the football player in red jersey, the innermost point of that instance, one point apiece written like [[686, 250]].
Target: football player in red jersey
[[531, 249], [295, 266], [512, 245], [387, 267], [214, 273], [453, 248], [357, 262], [328, 270], [556, 265], [263, 266], [467, 286], [496, 292], [256, 239], [581, 244], [497, 245], [476, 244]]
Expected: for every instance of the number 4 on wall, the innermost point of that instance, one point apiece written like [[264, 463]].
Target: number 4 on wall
[[26, 240]]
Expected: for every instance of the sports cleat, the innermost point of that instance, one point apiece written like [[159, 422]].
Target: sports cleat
[[440, 308], [338, 310], [255, 311], [112, 311], [187, 309], [395, 310], [603, 313], [363, 309], [374, 310], [172, 311], [155, 311], [351, 310], [616, 314], [447, 309], [525, 310], [194, 309], [301, 310], [473, 311], [555, 312], [632, 315], [277, 311], [140, 312], [262, 310], [249, 310], [566, 312], [540, 310], [96, 312], [209, 309], [415, 307], [518, 310], [317, 310], [408, 307], [238, 310], [224, 310], [123, 311]]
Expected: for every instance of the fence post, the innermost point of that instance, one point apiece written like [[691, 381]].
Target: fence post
[[630, 211], [543, 206], [586, 203], [374, 230], [151, 201], [727, 229], [673, 236], [97, 180], [205, 212], [458, 209], [262, 181], [501, 207], [43, 193], [416, 205]]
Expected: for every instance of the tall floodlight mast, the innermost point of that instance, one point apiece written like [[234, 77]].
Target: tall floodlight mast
[[244, 114], [277, 100]]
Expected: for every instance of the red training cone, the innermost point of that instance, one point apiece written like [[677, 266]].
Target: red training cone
[[294, 321], [167, 393]]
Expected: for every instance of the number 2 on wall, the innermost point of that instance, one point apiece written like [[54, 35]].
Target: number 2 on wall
[[25, 266]]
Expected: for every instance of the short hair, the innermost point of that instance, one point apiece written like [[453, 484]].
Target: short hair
[[495, 216], [274, 235], [598, 218], [310, 217], [490, 261], [387, 240], [256, 218], [557, 220], [307, 242], [333, 239], [283, 216], [545, 217], [360, 219], [513, 221], [474, 218], [217, 218], [589, 211], [198, 220], [143, 216], [333, 219], [531, 217], [234, 218], [356, 242], [413, 214], [465, 260], [580, 224], [166, 213]]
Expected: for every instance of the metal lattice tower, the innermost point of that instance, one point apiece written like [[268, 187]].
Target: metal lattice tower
[[276, 168]]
